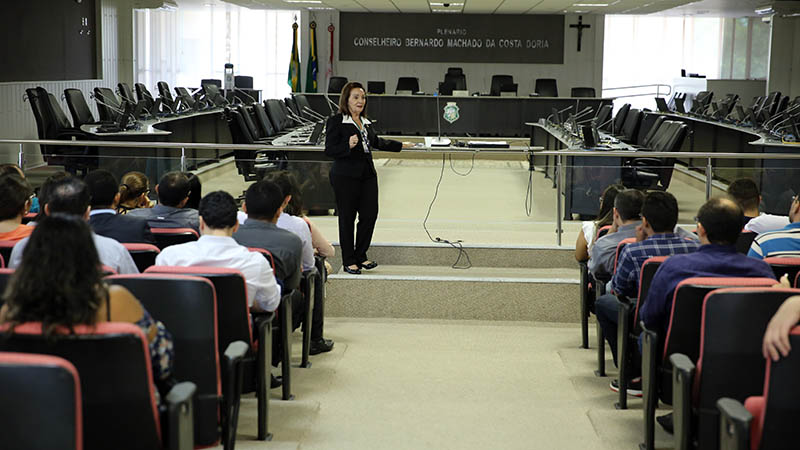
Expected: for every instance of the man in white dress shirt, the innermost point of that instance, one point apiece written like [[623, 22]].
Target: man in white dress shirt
[[216, 248], [70, 195]]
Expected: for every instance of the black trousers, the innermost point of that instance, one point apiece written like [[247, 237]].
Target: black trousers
[[355, 196]]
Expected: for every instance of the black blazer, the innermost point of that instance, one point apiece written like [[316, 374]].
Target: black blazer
[[353, 162], [122, 228]]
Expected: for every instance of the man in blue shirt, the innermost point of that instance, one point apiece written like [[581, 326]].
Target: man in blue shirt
[[784, 242], [655, 237], [627, 207]]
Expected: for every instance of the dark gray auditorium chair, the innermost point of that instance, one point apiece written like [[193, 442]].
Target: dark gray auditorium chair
[[76, 102], [407, 84], [376, 87], [108, 105], [336, 84], [582, 92], [144, 95], [497, 83], [546, 87], [165, 94], [243, 82], [125, 93], [459, 81], [52, 123]]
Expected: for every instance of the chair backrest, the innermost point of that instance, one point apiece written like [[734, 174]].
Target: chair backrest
[[255, 132], [619, 119], [267, 254], [213, 94], [648, 271], [783, 266], [126, 93], [36, 107], [117, 389], [631, 126], [303, 106], [186, 98], [276, 115], [288, 121], [459, 81], [621, 245], [683, 332], [144, 255], [214, 81], [455, 71], [48, 385], [233, 312], [498, 81], [76, 102], [602, 231], [187, 307], [733, 325], [143, 95], [446, 88], [582, 92], [243, 82], [5, 249], [335, 85], [603, 116], [164, 93], [546, 87], [407, 84], [60, 118], [171, 236], [107, 97], [262, 120], [781, 413], [648, 128], [376, 87]]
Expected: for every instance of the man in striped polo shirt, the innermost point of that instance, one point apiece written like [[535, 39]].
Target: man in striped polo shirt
[[784, 242]]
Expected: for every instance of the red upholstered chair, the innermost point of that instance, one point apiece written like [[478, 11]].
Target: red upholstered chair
[[48, 385], [2, 262], [730, 362], [588, 291], [769, 421], [628, 329], [144, 255], [681, 336], [171, 236], [601, 289], [187, 307], [114, 355]]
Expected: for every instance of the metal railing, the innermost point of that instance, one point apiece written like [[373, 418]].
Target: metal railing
[[657, 92]]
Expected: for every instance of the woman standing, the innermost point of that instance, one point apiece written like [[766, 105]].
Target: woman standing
[[350, 140]]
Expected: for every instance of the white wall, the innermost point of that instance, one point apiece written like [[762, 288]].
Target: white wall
[[116, 55], [784, 56], [579, 69]]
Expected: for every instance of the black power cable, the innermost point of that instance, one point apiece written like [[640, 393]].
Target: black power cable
[[455, 244]]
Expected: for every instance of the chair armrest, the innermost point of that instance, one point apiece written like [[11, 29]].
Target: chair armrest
[[649, 384], [734, 425], [180, 416], [624, 318], [232, 378], [683, 371]]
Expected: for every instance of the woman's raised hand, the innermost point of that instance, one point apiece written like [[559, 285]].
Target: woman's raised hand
[[353, 140]]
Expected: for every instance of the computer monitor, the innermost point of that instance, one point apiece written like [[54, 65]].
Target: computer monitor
[[662, 104], [589, 132]]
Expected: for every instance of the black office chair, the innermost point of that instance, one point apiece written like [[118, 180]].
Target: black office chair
[[125, 93], [647, 129], [165, 94], [108, 105], [143, 95], [215, 81], [497, 83], [446, 88], [455, 71], [262, 120], [336, 84], [582, 92], [186, 99], [619, 119], [459, 81], [292, 105], [407, 84], [603, 115], [276, 115], [304, 107], [243, 82], [213, 95], [546, 87], [376, 87], [76, 102], [630, 128], [52, 123]]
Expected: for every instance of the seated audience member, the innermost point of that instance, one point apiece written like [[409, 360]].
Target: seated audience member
[[70, 195], [195, 191], [43, 192], [655, 237], [589, 227], [103, 217], [264, 203], [173, 193], [217, 248], [746, 194], [13, 168], [134, 189], [16, 195], [776, 337], [718, 225], [59, 282], [784, 242], [627, 207], [293, 223]]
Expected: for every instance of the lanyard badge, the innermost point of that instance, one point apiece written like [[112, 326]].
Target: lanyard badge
[[364, 139]]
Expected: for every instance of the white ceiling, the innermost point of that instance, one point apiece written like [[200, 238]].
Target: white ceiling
[[711, 8]]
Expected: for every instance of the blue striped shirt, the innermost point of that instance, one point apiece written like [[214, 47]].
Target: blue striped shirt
[[783, 242], [626, 278]]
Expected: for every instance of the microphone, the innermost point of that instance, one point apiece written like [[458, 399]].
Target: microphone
[[314, 113], [790, 117], [785, 113], [235, 89], [559, 112], [606, 123], [333, 108], [296, 118], [113, 108], [584, 112]]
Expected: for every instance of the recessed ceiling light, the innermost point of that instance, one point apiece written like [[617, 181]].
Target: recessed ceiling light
[[590, 5], [448, 3], [303, 1]]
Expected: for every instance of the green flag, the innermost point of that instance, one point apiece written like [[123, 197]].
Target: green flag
[[311, 73], [294, 64]]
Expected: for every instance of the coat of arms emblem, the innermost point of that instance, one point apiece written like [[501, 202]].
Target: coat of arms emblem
[[451, 112]]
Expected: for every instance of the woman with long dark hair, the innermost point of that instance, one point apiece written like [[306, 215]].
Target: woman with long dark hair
[[350, 140], [604, 217], [60, 284]]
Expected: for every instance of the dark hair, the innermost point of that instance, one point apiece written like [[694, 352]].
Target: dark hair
[[661, 211], [218, 210], [44, 191], [629, 204], [102, 187], [345, 96], [722, 219], [11, 168], [59, 281], [68, 195], [288, 185], [195, 191], [15, 192], [744, 191], [173, 188], [606, 214], [263, 200], [132, 185]]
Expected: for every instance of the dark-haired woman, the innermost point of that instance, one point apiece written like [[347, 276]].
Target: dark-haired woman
[[604, 217], [71, 291], [350, 140]]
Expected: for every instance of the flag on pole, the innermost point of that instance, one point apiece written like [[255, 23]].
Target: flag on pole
[[294, 64], [311, 73], [329, 70]]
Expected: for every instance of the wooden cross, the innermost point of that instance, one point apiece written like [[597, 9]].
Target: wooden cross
[[580, 26]]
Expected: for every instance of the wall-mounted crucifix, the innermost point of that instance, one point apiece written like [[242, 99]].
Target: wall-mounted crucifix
[[580, 26]]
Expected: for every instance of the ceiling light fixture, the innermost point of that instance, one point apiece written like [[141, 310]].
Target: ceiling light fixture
[[304, 1], [765, 10], [591, 5]]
